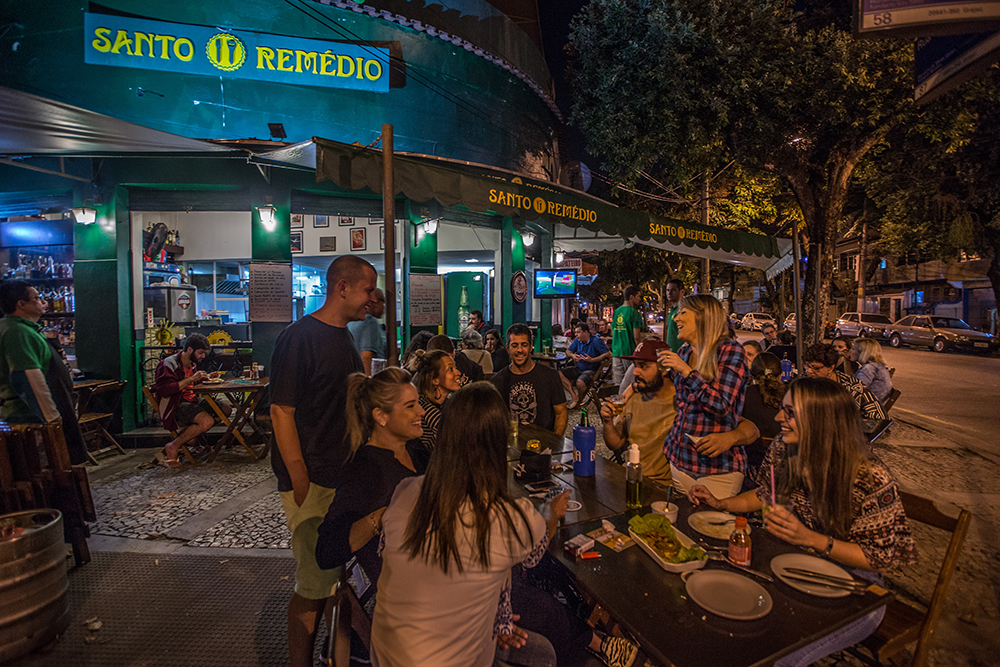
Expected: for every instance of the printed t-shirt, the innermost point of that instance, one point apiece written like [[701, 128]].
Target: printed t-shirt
[[624, 321], [531, 396], [309, 370]]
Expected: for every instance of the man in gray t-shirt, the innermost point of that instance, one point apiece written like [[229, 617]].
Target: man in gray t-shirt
[[369, 334]]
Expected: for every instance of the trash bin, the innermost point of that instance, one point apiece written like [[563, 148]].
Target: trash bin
[[34, 600]]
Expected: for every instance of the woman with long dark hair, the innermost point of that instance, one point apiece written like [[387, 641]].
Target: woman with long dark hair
[[842, 502], [493, 342], [710, 376], [450, 540], [436, 378]]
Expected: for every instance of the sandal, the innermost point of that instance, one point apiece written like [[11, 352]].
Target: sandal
[[171, 463]]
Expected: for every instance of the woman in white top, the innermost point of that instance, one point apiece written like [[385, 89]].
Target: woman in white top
[[472, 347], [450, 540]]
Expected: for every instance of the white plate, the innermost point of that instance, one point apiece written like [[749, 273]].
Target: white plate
[[700, 521], [670, 567], [728, 594], [802, 561]]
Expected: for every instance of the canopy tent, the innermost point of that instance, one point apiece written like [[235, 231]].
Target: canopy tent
[[581, 222], [32, 125]]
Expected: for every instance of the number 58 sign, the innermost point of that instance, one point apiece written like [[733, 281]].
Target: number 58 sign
[[923, 18]]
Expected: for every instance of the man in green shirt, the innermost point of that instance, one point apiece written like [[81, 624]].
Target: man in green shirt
[[674, 293], [35, 386], [626, 324]]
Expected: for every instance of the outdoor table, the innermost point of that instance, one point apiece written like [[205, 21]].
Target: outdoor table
[[84, 389], [245, 395], [653, 606], [557, 360], [557, 444]]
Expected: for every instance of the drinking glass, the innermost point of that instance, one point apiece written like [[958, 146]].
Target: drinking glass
[[514, 423], [378, 365], [247, 372], [618, 405]]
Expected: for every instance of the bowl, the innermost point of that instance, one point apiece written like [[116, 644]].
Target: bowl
[[667, 510]]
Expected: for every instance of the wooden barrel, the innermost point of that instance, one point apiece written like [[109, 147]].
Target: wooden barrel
[[34, 600]]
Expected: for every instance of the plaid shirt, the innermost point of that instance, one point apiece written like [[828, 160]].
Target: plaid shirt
[[708, 407]]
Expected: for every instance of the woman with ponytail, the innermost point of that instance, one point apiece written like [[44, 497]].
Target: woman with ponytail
[[761, 406], [383, 426], [436, 378]]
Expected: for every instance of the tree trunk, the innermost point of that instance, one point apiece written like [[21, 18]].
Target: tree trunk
[[993, 272]]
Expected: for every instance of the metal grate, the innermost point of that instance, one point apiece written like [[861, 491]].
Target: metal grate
[[174, 610]]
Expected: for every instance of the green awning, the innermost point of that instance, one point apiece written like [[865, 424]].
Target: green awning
[[423, 178]]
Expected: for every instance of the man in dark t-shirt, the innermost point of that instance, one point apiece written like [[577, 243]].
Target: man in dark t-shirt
[[310, 365], [533, 392]]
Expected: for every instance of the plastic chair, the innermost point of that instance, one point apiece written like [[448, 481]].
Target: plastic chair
[[108, 396], [148, 393], [904, 624]]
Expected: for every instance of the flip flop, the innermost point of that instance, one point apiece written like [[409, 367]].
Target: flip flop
[[171, 463]]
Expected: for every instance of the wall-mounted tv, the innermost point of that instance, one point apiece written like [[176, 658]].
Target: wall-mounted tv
[[555, 283]]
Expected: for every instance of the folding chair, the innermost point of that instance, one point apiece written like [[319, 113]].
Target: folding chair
[[95, 423], [600, 378], [891, 399], [148, 393], [904, 624]]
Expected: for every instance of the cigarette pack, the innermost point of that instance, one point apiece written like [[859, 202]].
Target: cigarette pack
[[579, 545]]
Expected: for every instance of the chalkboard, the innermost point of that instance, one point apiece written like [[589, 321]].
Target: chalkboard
[[425, 300], [270, 292]]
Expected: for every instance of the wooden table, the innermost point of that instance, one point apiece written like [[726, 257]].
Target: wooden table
[[557, 360], [84, 389], [653, 605], [557, 444], [245, 396]]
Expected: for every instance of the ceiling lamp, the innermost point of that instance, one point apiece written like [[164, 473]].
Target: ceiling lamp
[[85, 215], [528, 238]]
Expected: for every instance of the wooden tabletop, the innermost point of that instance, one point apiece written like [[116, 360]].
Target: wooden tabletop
[[655, 608], [88, 384], [233, 385]]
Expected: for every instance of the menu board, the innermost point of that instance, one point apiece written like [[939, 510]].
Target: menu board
[[270, 292], [425, 300]]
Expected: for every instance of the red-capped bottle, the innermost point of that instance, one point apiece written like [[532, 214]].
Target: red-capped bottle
[[739, 543]]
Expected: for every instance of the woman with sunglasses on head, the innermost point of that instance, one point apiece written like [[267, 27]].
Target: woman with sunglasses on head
[[436, 378], [451, 538], [842, 502], [710, 373]]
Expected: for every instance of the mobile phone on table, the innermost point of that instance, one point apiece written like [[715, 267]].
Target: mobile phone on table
[[536, 487]]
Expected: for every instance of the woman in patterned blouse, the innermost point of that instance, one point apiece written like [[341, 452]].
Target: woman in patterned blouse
[[436, 378], [844, 503]]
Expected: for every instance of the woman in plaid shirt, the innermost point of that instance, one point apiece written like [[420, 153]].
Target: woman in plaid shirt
[[710, 376]]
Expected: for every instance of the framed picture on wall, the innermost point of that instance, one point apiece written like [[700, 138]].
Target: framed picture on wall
[[296, 242], [374, 221], [296, 221], [346, 222], [358, 240], [381, 237], [328, 244], [321, 221]]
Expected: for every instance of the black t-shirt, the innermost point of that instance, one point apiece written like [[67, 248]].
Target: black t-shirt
[[532, 396], [762, 415], [501, 359], [309, 369]]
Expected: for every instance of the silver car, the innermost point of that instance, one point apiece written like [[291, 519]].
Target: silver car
[[790, 323], [940, 334], [755, 321], [864, 325]]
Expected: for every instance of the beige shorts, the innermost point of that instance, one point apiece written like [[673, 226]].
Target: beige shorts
[[725, 485], [311, 581]]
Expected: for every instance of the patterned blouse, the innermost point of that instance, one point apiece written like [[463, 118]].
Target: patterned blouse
[[879, 526], [868, 404], [431, 421]]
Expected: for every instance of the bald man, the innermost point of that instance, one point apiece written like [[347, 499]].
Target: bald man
[[369, 333]]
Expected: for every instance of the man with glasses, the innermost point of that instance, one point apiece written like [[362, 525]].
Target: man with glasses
[[821, 360], [35, 385], [770, 337], [369, 333]]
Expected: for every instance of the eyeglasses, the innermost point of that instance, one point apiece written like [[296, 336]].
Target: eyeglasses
[[816, 368]]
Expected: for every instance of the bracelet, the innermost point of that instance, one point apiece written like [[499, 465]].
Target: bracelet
[[829, 546], [375, 528]]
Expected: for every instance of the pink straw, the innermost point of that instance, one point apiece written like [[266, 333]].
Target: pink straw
[[772, 486]]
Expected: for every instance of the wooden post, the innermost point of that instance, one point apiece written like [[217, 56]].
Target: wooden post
[[797, 291], [389, 219]]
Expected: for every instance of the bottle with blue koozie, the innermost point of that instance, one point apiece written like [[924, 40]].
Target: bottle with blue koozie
[[786, 369], [584, 447]]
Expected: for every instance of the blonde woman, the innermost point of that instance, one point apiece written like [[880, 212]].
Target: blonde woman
[[843, 503], [710, 372], [873, 373]]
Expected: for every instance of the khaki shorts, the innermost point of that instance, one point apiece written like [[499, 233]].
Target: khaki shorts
[[311, 581]]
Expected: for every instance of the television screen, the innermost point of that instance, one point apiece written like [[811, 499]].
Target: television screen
[[555, 283]]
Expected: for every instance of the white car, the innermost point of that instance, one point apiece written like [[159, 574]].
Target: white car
[[754, 321], [790, 324]]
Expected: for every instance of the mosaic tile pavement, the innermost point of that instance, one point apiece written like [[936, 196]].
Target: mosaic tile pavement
[[260, 526]]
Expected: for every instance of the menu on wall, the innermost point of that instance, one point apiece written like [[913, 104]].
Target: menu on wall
[[425, 300], [270, 292]]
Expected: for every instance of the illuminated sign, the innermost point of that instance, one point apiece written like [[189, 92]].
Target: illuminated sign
[[542, 206], [680, 233], [240, 54]]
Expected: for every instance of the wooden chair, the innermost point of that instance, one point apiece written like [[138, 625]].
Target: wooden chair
[[347, 613], [95, 423], [904, 624], [600, 378], [891, 399], [148, 393]]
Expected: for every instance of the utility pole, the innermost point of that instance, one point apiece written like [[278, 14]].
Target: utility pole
[[862, 258]]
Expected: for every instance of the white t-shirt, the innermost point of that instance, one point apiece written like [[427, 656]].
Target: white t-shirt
[[425, 617]]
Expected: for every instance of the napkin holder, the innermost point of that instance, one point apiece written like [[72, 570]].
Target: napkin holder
[[535, 467]]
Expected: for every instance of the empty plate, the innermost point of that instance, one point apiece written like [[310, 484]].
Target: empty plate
[[719, 525], [728, 594], [805, 562]]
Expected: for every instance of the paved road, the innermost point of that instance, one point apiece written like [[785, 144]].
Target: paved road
[[960, 392]]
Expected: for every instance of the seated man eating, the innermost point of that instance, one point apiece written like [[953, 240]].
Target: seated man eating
[[179, 407]]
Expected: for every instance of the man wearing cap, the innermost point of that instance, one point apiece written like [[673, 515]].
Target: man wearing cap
[[649, 413]]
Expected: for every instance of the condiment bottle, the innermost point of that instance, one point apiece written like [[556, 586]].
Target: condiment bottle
[[739, 543], [633, 479], [584, 446]]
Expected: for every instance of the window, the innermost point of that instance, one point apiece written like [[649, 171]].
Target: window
[[920, 296], [906, 321], [882, 264]]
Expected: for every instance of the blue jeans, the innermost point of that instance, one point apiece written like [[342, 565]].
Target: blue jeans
[[838, 640], [536, 652]]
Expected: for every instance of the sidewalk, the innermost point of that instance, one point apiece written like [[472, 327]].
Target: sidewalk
[[192, 565]]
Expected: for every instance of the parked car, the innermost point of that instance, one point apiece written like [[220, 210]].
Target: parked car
[[735, 321], [790, 323], [864, 325], [754, 321], [940, 334]]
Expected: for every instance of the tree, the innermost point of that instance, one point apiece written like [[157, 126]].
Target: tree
[[680, 87], [936, 184]]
